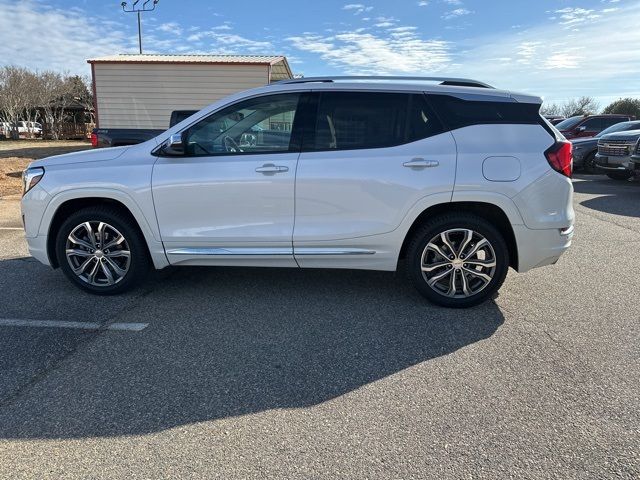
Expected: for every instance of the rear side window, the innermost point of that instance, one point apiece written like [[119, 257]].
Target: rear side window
[[356, 120], [458, 113], [608, 121]]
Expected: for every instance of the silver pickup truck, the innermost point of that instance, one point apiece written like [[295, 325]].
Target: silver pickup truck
[[614, 154], [635, 159]]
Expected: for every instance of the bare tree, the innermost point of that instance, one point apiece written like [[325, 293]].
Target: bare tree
[[14, 96], [579, 106], [550, 109]]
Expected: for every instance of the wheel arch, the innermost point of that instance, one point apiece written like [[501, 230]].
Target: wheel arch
[[488, 211], [60, 208]]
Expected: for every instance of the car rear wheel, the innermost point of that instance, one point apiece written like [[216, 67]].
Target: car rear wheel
[[458, 260], [619, 175], [101, 250]]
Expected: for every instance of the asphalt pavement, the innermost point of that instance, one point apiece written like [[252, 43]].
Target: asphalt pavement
[[285, 373]]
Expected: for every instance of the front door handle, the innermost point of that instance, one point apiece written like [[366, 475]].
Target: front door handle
[[421, 163], [268, 168]]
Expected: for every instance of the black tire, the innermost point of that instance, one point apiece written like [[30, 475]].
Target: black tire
[[589, 163], [449, 222], [620, 175], [138, 263]]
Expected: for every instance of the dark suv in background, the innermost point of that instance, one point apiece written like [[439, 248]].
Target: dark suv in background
[[583, 126], [585, 149]]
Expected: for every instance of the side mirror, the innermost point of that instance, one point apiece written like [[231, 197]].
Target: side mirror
[[174, 146]]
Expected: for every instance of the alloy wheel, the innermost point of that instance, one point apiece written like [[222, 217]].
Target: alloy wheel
[[98, 253], [458, 263]]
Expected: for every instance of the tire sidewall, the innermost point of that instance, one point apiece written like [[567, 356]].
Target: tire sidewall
[[440, 225], [139, 260]]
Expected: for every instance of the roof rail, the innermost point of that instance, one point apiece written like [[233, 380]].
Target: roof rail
[[452, 81]]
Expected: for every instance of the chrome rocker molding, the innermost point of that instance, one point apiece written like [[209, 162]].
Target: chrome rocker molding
[[269, 251]]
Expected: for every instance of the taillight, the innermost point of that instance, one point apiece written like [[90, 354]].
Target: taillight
[[94, 139], [560, 157]]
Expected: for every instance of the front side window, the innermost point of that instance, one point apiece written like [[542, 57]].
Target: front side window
[[569, 123], [356, 120], [259, 125], [593, 125]]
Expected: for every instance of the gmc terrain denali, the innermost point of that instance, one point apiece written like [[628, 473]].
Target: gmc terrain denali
[[459, 179]]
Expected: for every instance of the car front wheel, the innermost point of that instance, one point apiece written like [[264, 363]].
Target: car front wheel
[[101, 250], [458, 260]]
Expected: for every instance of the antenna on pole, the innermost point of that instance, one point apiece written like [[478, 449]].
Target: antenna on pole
[[137, 10]]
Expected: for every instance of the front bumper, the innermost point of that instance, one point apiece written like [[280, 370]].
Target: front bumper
[[613, 163], [38, 249], [538, 248]]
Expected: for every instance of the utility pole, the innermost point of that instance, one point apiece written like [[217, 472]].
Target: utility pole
[[138, 10]]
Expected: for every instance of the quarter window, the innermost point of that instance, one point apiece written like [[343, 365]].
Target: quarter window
[[459, 113], [356, 120], [259, 125]]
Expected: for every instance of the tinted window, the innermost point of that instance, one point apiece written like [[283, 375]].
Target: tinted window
[[607, 122], [593, 124], [354, 120], [258, 125], [569, 123], [458, 113], [619, 127]]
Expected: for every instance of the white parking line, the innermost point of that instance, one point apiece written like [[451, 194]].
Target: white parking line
[[11, 228], [16, 322]]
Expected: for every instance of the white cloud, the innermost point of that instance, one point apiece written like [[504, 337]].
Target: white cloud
[[570, 17], [43, 38], [601, 59], [400, 50], [171, 27], [357, 8], [458, 12]]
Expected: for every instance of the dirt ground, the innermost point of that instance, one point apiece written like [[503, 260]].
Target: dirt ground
[[15, 155]]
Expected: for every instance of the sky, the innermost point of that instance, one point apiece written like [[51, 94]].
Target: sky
[[557, 49]]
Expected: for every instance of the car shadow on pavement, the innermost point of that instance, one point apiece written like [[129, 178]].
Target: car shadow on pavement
[[224, 342], [614, 196]]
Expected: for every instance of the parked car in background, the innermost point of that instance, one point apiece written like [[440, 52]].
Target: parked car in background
[[5, 129], [614, 154], [589, 125], [459, 180], [585, 149], [554, 119], [29, 128], [119, 137], [635, 159]]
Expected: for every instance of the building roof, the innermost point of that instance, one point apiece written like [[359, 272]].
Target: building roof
[[279, 64]]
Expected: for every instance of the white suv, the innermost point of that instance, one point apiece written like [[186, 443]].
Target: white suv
[[459, 179]]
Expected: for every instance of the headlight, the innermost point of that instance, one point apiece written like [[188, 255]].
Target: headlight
[[30, 178]]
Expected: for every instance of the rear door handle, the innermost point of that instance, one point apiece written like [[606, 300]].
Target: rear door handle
[[421, 163], [271, 168]]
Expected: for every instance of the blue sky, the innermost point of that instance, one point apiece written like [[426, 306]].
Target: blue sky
[[554, 48]]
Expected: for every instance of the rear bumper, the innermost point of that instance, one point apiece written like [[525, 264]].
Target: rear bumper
[[537, 248]]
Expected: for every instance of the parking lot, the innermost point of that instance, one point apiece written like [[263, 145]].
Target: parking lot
[[265, 373]]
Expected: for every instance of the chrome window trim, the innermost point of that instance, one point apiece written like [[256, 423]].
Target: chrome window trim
[[235, 251]]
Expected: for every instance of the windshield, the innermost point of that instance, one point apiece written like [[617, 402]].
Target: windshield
[[619, 127], [569, 123]]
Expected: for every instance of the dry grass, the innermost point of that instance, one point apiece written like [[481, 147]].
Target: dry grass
[[15, 155]]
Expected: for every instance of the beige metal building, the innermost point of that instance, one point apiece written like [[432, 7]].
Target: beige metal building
[[141, 91]]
